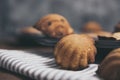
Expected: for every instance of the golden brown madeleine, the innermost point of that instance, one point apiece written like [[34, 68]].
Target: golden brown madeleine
[[54, 25], [91, 26], [116, 35], [109, 69], [29, 30], [75, 51]]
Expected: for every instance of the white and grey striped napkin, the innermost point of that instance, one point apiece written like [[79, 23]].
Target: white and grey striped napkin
[[42, 66]]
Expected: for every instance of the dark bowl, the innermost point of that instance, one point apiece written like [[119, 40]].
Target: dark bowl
[[27, 39], [104, 46]]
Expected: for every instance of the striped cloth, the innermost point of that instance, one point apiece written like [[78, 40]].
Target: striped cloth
[[41, 66]]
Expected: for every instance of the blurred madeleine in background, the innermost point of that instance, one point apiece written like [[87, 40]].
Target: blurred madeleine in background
[[94, 29]]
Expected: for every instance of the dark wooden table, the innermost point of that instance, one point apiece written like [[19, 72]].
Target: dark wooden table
[[8, 75]]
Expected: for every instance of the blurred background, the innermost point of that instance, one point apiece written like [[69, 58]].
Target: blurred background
[[21, 13]]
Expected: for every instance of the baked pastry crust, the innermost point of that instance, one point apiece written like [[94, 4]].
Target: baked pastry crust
[[109, 69], [54, 25], [75, 51]]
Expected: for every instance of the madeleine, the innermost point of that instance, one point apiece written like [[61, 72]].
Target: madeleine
[[54, 25], [75, 51]]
